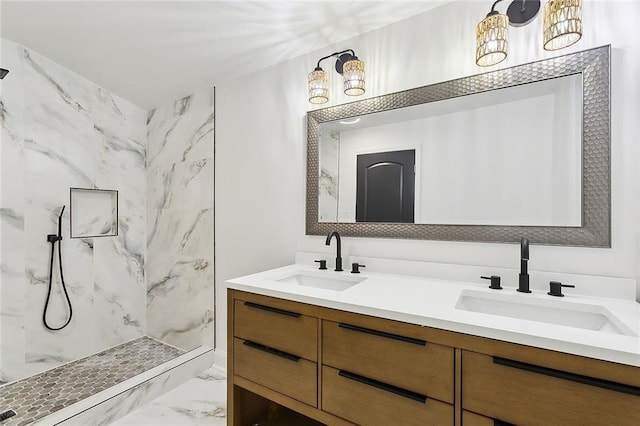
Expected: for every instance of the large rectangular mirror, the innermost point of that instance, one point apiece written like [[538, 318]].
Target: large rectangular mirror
[[517, 152]]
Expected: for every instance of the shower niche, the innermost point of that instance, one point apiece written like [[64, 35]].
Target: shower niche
[[94, 213]]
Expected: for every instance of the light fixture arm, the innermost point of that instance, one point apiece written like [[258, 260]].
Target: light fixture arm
[[343, 56], [520, 12], [493, 8]]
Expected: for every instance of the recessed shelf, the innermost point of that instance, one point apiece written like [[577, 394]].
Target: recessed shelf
[[94, 213]]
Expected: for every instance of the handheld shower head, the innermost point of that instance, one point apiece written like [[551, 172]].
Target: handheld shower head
[[60, 222]]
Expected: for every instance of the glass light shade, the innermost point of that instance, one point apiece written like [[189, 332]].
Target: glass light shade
[[491, 39], [562, 23], [318, 87], [353, 74]]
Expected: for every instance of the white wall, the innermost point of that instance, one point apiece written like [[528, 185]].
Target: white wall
[[496, 170], [260, 173]]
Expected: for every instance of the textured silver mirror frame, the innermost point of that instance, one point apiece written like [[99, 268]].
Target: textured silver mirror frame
[[593, 64]]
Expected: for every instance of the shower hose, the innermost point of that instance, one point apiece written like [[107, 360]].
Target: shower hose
[[53, 239]]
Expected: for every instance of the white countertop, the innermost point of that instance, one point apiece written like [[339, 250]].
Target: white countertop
[[432, 302]]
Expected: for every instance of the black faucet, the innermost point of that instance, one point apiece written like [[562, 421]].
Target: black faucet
[[339, 249], [523, 285]]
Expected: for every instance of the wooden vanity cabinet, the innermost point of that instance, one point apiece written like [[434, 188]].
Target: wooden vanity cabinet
[[341, 368], [335, 367]]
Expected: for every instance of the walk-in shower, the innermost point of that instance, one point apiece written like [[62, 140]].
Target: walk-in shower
[[137, 259]]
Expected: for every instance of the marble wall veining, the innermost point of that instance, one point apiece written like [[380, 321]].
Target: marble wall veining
[[180, 150], [329, 153], [12, 244], [60, 131]]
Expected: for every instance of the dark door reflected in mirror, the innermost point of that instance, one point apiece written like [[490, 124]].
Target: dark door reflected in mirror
[[385, 187]]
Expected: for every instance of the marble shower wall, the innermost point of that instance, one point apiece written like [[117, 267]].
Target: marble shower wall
[[329, 154], [60, 131], [180, 142]]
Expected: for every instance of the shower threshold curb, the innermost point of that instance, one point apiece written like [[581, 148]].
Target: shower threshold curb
[[117, 401]]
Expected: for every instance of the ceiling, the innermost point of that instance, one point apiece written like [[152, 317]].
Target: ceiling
[[149, 52]]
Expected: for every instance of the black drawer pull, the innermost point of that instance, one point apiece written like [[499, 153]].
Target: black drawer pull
[[384, 386], [272, 351], [383, 334], [270, 309], [578, 378]]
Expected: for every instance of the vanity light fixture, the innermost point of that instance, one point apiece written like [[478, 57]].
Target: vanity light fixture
[[562, 27], [491, 38], [562, 23], [351, 69]]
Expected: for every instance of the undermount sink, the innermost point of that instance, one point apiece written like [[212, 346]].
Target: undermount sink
[[321, 279], [578, 315]]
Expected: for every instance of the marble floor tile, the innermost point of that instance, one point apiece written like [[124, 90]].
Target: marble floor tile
[[199, 401]]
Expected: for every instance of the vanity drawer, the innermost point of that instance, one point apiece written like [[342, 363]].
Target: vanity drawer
[[289, 375], [524, 394], [366, 402], [276, 327], [402, 361]]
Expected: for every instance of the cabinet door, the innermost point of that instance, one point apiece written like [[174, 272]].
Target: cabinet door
[[526, 394], [371, 403], [402, 361]]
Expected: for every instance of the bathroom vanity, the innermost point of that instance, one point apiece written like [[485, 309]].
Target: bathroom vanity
[[322, 347]]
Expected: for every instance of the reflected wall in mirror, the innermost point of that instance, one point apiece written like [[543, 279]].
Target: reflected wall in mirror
[[507, 157], [94, 213], [515, 152]]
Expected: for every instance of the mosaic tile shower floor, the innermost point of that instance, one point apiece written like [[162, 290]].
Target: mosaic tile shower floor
[[40, 395]]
